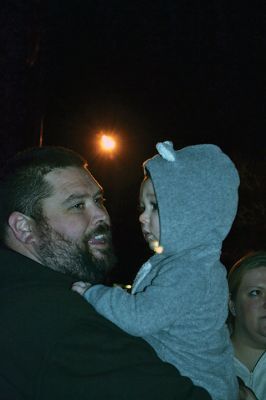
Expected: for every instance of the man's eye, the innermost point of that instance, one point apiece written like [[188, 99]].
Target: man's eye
[[100, 201], [79, 206]]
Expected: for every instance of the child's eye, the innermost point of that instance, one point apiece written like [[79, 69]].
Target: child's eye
[[154, 206]]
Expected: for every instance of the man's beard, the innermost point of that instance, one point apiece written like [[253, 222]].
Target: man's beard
[[68, 257]]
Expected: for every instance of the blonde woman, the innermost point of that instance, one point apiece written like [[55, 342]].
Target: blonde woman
[[247, 321]]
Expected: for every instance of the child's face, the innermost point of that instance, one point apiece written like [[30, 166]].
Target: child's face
[[149, 217]]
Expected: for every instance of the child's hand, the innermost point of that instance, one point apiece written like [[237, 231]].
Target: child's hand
[[81, 287]]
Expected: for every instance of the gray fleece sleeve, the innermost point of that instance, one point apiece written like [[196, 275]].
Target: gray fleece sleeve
[[134, 313], [144, 312]]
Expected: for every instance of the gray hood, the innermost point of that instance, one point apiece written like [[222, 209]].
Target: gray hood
[[197, 195]]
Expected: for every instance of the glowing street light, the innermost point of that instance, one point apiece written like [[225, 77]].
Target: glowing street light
[[107, 143]]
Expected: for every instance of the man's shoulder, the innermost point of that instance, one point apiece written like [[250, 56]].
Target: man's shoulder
[[39, 298]]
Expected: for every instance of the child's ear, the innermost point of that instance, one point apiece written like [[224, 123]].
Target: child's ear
[[21, 226], [232, 307]]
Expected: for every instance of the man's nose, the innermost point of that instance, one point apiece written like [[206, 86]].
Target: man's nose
[[99, 214]]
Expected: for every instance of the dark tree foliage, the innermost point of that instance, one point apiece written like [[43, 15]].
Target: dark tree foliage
[[249, 229], [20, 76]]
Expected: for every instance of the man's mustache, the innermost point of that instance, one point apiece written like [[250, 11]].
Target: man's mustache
[[102, 229]]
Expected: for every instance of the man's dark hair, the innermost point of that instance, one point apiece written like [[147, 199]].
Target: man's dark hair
[[22, 183]]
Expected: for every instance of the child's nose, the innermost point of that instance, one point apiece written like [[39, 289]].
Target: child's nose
[[143, 218]]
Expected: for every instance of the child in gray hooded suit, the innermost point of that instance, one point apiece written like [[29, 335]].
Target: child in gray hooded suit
[[179, 299]]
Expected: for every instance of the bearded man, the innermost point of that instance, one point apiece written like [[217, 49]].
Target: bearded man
[[55, 230]]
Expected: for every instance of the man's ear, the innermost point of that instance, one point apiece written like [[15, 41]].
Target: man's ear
[[232, 307], [22, 226]]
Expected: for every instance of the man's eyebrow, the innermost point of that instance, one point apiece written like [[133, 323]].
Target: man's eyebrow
[[99, 192], [74, 197], [81, 196]]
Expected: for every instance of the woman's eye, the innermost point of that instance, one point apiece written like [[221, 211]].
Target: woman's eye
[[254, 293]]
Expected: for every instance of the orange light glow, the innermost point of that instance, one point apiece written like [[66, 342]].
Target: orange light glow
[[107, 143]]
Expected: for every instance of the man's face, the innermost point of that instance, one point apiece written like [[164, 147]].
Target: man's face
[[74, 230], [250, 308], [149, 217]]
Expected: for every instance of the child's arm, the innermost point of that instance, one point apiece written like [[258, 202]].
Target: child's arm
[[126, 310], [144, 312]]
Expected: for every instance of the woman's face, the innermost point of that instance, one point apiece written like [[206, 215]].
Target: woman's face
[[249, 308]]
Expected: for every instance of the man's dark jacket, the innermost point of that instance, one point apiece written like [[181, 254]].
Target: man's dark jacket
[[53, 345]]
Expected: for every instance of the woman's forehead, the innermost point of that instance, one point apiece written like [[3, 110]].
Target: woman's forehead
[[255, 275]]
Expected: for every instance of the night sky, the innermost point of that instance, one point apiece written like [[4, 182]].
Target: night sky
[[149, 71]]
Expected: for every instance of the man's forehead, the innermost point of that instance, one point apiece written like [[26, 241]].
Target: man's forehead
[[72, 179]]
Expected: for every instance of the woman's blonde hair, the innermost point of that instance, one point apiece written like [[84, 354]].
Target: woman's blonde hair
[[250, 261]]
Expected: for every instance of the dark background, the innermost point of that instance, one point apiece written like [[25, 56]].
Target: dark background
[[149, 71]]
